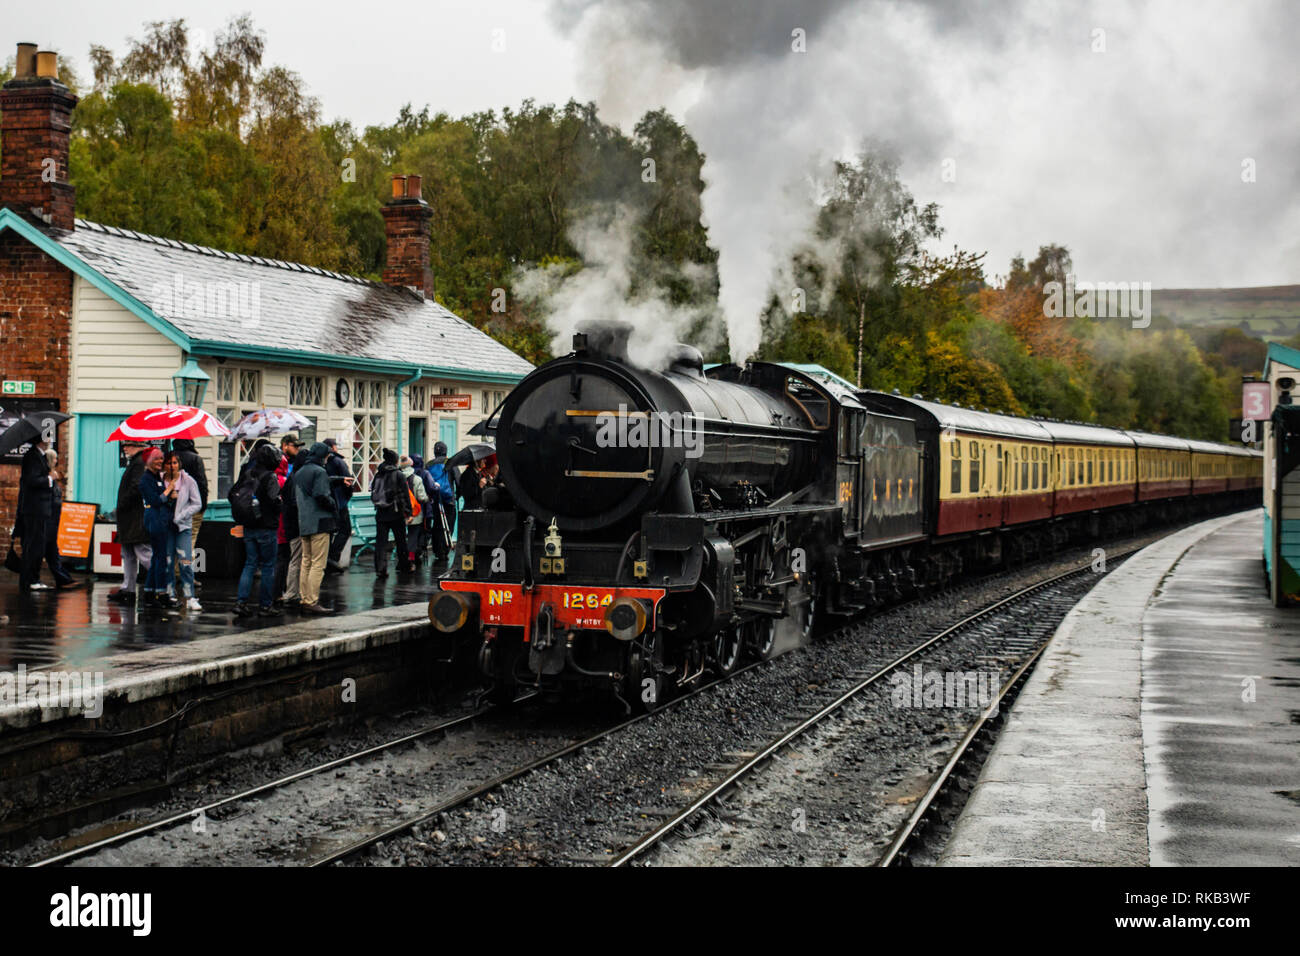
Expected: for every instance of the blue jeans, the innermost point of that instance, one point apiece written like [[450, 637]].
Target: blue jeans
[[162, 536], [184, 551], [259, 553]]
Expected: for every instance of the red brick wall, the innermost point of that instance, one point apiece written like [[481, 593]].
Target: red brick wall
[[36, 118], [35, 323], [406, 227]]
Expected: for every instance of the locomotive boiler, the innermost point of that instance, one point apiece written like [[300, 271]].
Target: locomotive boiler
[[644, 533]]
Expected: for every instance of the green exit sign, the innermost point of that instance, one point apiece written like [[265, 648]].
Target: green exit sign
[[19, 388]]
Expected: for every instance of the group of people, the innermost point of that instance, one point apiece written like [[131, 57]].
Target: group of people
[[290, 504], [415, 505]]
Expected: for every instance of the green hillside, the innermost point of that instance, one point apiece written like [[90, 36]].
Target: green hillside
[[1267, 312]]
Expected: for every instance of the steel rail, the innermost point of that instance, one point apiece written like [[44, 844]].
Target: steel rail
[[657, 835]]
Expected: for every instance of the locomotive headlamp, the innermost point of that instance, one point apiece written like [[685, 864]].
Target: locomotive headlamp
[[552, 542], [449, 610], [625, 618]]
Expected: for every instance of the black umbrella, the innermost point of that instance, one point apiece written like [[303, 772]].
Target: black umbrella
[[475, 452], [30, 428], [483, 428]]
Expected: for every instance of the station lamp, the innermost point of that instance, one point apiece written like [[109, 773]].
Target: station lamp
[[190, 382]]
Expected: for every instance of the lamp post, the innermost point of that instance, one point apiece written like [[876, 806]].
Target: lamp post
[[190, 382]]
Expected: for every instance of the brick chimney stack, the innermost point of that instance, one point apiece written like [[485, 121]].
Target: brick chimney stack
[[34, 128], [406, 228]]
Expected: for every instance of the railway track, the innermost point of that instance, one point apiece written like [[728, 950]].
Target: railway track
[[178, 819], [1017, 644], [460, 799]]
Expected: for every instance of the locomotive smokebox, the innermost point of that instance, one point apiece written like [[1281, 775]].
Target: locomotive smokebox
[[603, 339]]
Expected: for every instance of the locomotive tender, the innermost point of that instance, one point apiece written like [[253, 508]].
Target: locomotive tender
[[730, 502]]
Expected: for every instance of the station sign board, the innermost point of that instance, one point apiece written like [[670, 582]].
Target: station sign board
[[1256, 401], [450, 403]]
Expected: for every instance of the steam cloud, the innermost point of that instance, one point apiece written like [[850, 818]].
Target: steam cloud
[[1131, 156]]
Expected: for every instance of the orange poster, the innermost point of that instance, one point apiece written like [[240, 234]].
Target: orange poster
[[76, 525]]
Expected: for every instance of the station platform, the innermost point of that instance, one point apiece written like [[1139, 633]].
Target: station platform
[[142, 653], [1159, 727]]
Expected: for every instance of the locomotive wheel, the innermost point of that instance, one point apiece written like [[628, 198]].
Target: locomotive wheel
[[762, 638], [726, 649], [644, 684], [806, 618]]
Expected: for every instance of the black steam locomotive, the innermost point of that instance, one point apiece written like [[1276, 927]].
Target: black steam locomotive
[[658, 525]]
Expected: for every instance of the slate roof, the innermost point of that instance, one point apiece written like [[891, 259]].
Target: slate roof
[[298, 307]]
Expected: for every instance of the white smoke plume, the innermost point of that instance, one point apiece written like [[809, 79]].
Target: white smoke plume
[[1060, 120], [605, 288]]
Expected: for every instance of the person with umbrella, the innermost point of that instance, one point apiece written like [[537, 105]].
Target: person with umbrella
[[132, 538], [35, 505], [480, 473], [53, 560], [35, 489], [159, 495]]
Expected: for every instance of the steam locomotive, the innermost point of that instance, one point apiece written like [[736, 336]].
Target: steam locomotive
[[658, 525]]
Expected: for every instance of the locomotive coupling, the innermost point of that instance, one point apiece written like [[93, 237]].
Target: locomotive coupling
[[450, 610], [625, 618]]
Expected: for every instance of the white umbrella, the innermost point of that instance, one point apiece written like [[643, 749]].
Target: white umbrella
[[268, 421]]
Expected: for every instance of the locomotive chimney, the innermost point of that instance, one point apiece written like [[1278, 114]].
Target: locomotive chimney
[[686, 360], [603, 339]]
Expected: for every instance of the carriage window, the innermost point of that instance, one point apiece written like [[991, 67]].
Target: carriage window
[[1089, 468], [956, 468], [974, 466], [998, 448], [1024, 468]]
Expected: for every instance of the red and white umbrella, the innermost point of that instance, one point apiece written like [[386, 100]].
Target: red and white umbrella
[[170, 421]]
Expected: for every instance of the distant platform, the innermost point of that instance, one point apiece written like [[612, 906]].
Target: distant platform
[[1159, 727]]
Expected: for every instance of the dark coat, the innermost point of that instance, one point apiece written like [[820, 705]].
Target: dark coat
[[130, 506], [158, 509], [37, 499], [469, 489], [289, 499], [395, 482], [337, 469], [317, 509], [193, 465]]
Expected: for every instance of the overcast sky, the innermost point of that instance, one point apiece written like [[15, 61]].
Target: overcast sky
[[1126, 146]]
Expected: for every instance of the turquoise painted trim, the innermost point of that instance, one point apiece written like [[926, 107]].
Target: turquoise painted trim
[[11, 220], [215, 349], [1281, 353], [401, 432]]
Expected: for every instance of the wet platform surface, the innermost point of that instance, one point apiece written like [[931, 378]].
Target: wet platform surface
[[71, 629], [1160, 726]]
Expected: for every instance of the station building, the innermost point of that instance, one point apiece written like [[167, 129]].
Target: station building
[[103, 322]]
